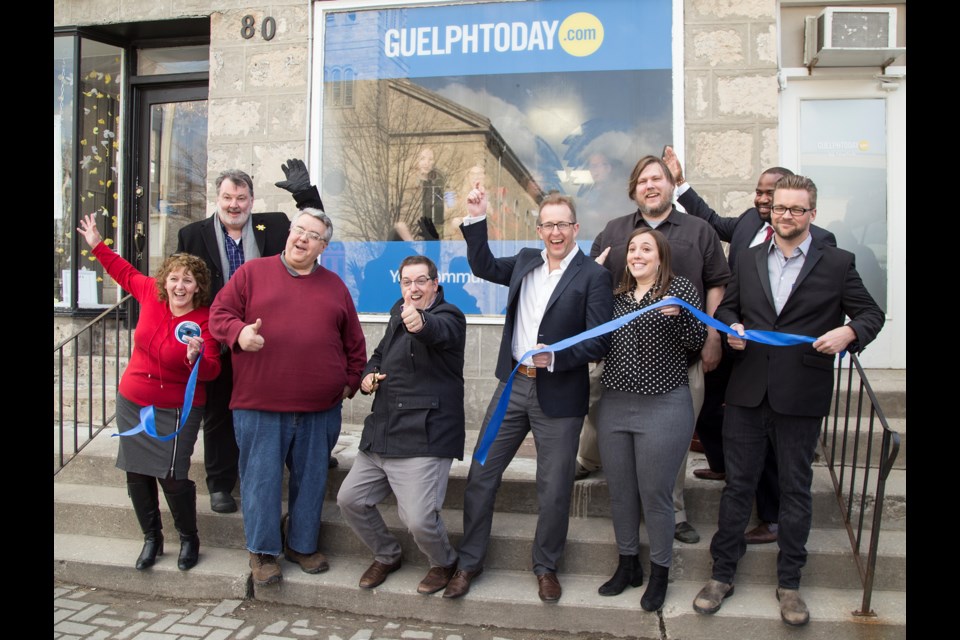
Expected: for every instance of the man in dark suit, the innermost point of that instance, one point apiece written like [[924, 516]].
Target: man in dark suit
[[224, 242], [792, 284], [554, 293], [750, 228]]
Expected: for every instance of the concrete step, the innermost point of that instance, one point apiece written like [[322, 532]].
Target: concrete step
[[591, 548], [889, 386], [518, 492], [497, 598]]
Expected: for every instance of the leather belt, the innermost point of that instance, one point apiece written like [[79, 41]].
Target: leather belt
[[524, 370]]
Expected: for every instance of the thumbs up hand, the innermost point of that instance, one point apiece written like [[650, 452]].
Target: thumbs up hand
[[250, 338]]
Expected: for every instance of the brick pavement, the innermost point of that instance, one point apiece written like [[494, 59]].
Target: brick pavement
[[98, 614]]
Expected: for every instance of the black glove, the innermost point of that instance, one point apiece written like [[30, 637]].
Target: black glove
[[428, 229], [298, 178]]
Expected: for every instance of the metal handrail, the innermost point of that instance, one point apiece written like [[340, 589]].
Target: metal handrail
[[93, 329], [854, 498]]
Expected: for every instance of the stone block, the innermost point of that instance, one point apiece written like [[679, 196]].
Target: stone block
[[723, 47], [769, 148], [765, 50], [723, 154], [95, 12], [726, 9], [698, 95], [226, 71], [237, 118], [288, 116], [278, 68], [267, 158], [747, 96]]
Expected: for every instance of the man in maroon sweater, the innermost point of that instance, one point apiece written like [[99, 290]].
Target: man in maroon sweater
[[298, 351]]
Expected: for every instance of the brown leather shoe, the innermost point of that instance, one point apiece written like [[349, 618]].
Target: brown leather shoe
[[314, 562], [376, 573], [549, 587], [437, 578], [707, 474], [761, 534], [265, 569], [459, 584]]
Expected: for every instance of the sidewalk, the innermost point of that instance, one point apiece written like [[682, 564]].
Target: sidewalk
[[97, 614]]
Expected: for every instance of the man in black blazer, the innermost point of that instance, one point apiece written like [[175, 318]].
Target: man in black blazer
[[554, 293], [225, 241], [750, 228], [792, 284]]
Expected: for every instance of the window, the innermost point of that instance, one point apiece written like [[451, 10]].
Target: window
[[526, 98], [87, 78]]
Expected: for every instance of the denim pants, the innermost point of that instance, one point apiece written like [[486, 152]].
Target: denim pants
[[746, 434], [267, 440]]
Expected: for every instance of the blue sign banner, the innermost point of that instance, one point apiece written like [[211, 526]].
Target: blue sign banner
[[499, 38], [371, 272]]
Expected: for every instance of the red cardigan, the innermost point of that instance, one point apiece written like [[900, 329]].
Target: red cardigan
[[158, 370]]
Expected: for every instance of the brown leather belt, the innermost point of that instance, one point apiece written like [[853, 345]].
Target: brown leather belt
[[524, 370]]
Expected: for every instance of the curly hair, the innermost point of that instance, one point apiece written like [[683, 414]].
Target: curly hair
[[193, 265]]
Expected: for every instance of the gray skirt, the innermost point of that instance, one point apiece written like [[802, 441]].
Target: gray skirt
[[151, 457]]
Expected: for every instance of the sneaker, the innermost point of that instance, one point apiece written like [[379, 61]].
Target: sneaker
[[266, 569]]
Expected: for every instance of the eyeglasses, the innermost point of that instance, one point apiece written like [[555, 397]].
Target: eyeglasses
[[780, 210], [420, 282], [301, 232], [550, 226]]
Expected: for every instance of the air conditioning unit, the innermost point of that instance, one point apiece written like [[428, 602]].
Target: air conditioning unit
[[851, 37]]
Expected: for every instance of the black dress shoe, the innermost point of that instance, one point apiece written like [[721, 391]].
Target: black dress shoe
[[222, 502]]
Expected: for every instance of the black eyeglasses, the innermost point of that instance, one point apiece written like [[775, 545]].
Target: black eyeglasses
[[779, 209]]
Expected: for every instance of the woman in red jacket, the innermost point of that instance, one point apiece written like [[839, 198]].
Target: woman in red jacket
[[170, 335]]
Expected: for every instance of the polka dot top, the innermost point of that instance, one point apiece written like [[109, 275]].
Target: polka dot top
[[648, 355]]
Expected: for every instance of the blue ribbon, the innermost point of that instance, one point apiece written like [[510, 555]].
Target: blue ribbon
[[148, 422], [772, 338]]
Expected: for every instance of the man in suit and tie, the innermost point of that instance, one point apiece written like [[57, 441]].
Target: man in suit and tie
[[795, 284], [750, 228], [224, 242], [555, 293]]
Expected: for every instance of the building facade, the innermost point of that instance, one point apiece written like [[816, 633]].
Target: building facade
[[400, 106]]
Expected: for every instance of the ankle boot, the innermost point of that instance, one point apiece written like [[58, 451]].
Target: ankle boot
[[183, 506], [629, 572], [143, 495], [656, 591]]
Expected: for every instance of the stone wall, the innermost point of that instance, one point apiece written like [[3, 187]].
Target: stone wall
[[731, 100]]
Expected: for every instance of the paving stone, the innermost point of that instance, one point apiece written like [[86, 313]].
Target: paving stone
[[195, 616], [276, 627], [164, 623], [65, 626], [89, 612], [129, 631], [225, 607], [188, 630]]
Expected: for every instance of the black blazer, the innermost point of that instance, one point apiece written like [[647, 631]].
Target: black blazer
[[797, 380], [200, 238], [582, 300], [739, 231]]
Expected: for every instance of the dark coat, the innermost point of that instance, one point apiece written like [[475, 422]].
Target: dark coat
[[200, 238], [418, 408], [582, 300], [798, 380], [739, 231]]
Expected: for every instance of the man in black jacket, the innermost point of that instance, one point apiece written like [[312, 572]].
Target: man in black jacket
[[750, 228], [415, 430], [225, 241]]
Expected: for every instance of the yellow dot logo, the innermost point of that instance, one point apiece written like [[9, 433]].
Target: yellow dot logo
[[581, 34], [864, 145]]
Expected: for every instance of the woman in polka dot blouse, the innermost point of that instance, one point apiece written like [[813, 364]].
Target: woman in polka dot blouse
[[646, 417]]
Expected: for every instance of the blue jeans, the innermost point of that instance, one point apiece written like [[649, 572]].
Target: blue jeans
[[267, 440]]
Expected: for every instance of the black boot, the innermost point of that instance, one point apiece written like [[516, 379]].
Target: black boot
[[629, 572], [656, 591], [183, 506], [143, 495]]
